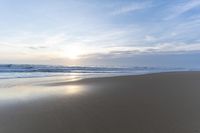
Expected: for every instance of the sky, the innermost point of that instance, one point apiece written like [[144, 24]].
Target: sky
[[100, 32]]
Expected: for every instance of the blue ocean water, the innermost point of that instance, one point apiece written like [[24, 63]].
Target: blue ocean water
[[12, 71]]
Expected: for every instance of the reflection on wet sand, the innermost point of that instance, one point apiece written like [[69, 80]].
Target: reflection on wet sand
[[34, 92]]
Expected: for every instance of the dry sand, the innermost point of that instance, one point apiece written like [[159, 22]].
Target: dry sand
[[152, 103]]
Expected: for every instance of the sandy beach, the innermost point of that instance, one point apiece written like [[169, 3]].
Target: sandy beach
[[151, 103]]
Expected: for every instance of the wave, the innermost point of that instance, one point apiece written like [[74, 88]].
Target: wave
[[73, 69], [9, 71]]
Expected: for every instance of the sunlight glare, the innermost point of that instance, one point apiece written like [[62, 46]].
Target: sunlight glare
[[73, 52]]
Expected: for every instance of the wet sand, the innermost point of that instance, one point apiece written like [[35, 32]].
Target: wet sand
[[152, 103]]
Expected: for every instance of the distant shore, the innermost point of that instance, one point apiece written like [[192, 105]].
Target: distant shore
[[150, 103]]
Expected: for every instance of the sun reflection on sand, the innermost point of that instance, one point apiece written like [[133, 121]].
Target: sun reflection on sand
[[34, 92], [71, 90]]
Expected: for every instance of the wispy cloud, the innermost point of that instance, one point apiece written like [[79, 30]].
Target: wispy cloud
[[183, 8], [131, 8], [150, 38], [173, 47], [56, 39]]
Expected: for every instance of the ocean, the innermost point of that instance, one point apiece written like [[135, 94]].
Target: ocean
[[14, 71]]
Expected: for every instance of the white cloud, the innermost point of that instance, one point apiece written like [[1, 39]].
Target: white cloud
[[150, 38], [183, 8], [131, 8]]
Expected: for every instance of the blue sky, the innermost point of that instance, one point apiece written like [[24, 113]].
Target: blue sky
[[91, 32]]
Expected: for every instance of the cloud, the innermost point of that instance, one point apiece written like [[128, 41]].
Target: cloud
[[37, 48], [131, 8], [56, 39], [183, 8], [150, 38], [122, 51]]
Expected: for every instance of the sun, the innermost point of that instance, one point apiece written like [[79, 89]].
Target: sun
[[73, 52]]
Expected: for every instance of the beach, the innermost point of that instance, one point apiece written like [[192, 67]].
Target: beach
[[166, 102]]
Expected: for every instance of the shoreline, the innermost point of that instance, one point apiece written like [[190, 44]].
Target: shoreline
[[82, 80]]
